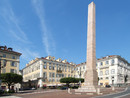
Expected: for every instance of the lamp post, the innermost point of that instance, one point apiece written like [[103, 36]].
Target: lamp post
[[4, 64]]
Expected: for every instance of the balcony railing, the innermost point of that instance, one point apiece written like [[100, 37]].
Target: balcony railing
[[59, 71]]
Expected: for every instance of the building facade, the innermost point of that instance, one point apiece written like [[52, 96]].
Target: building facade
[[12, 60], [47, 71], [112, 70]]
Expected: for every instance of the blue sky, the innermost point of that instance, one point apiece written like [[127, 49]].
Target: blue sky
[[38, 28]]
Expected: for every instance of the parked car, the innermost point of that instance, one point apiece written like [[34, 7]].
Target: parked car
[[108, 86], [1, 91], [64, 88], [33, 88]]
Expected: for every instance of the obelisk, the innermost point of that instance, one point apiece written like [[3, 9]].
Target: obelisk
[[91, 78]]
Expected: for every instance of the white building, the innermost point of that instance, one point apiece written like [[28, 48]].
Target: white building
[[111, 70]]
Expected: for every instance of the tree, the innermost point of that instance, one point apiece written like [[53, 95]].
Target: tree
[[79, 79], [11, 79], [69, 80]]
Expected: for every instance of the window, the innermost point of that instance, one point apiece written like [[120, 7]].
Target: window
[[49, 80], [101, 78], [4, 62], [50, 67], [62, 67], [57, 75], [3, 70], [113, 71], [101, 73], [65, 66], [53, 67], [45, 67], [53, 74], [4, 55], [101, 83], [44, 74], [57, 66], [112, 77], [13, 63], [65, 69], [12, 70], [53, 80], [101, 63], [107, 72], [49, 74], [13, 57], [107, 62], [62, 75], [113, 61]]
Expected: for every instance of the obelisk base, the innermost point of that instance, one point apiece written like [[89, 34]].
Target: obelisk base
[[92, 89]]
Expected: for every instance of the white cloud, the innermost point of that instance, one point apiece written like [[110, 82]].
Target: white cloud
[[21, 43], [13, 23], [27, 54], [47, 38]]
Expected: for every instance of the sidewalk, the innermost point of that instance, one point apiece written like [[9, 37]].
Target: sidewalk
[[10, 97]]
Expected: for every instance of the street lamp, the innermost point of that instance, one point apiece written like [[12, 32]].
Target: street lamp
[[4, 64]]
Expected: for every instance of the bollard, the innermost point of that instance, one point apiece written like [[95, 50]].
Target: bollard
[[98, 91], [69, 91], [113, 88]]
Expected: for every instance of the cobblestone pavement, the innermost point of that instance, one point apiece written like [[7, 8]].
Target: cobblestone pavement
[[123, 94], [54, 94]]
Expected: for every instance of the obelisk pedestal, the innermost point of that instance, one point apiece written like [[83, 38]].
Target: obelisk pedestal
[[91, 78]]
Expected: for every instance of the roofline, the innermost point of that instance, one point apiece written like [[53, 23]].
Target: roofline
[[104, 58], [11, 52], [42, 58]]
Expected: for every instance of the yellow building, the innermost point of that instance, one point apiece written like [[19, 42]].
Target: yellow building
[[47, 71], [11, 58]]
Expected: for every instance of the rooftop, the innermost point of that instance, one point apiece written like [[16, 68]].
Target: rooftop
[[8, 50]]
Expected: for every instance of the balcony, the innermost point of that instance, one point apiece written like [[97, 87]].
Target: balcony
[[59, 71]]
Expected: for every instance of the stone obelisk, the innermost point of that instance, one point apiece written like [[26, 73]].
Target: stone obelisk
[[91, 78]]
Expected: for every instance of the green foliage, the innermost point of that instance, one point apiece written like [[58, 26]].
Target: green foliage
[[11, 78], [69, 80], [79, 79]]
